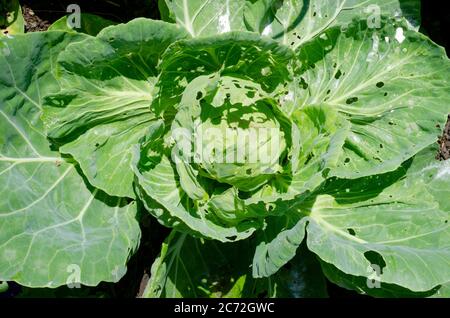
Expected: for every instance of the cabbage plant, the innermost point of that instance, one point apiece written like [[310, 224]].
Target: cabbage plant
[[285, 143]]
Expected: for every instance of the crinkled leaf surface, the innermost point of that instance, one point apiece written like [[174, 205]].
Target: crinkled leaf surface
[[103, 108], [241, 55], [239, 67], [243, 70], [54, 229], [393, 90], [189, 267]]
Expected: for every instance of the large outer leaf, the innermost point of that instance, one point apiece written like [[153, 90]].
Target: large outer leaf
[[189, 267], [394, 94], [208, 17], [50, 221], [103, 108], [294, 22], [397, 221], [404, 229]]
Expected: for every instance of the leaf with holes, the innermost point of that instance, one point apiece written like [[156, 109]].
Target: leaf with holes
[[404, 229], [291, 22], [395, 224], [296, 22], [384, 85]]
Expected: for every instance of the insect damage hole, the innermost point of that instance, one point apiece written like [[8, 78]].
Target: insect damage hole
[[376, 260], [303, 83], [250, 94], [351, 100]]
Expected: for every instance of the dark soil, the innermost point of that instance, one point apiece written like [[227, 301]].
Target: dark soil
[[143, 285], [33, 23], [444, 143]]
